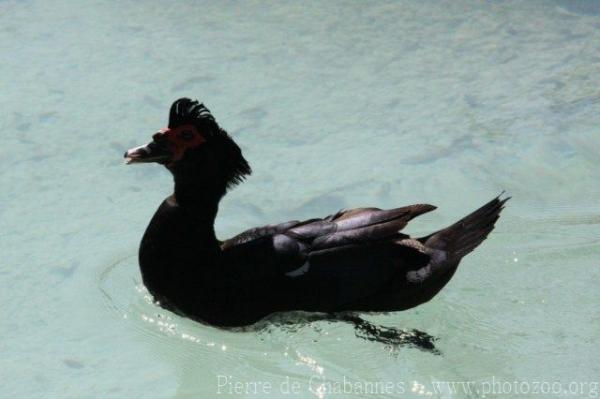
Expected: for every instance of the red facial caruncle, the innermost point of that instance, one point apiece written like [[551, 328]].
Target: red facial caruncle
[[180, 139]]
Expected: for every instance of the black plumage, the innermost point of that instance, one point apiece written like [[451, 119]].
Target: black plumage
[[354, 260]]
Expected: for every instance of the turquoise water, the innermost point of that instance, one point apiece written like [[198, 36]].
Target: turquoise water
[[335, 104]]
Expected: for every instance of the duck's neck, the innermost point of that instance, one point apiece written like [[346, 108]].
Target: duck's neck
[[200, 201]]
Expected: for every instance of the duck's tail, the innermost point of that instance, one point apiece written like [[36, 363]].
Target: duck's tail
[[465, 235], [444, 250]]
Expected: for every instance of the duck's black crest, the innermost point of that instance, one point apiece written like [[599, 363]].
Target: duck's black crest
[[186, 111]]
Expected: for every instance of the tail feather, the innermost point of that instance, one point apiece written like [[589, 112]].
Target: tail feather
[[465, 235]]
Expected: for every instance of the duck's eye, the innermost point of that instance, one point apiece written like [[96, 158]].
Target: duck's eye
[[187, 135]]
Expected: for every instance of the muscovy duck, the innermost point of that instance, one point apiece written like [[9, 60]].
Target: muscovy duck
[[355, 260]]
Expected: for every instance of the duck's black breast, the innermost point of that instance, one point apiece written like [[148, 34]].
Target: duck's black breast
[[173, 257]]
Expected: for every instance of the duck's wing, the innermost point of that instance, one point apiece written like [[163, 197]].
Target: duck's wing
[[355, 260], [350, 248], [257, 233], [344, 227], [356, 226]]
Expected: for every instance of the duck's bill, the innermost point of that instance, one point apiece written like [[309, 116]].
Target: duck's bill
[[148, 153]]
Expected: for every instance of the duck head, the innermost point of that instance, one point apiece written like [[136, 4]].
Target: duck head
[[193, 146]]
